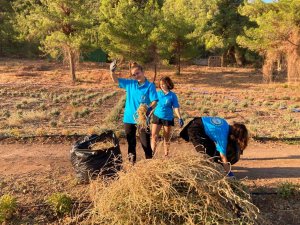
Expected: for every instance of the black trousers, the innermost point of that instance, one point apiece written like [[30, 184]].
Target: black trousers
[[130, 131], [195, 133]]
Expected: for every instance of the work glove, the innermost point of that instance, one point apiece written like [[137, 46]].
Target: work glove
[[230, 175], [181, 123], [113, 66]]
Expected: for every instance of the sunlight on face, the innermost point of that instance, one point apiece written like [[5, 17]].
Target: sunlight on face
[[163, 86], [138, 74]]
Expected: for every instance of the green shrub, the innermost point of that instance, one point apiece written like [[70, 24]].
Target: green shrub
[[115, 113], [287, 189], [55, 112], [60, 203], [76, 114], [74, 103], [244, 104], [84, 112], [8, 205], [6, 114], [53, 123], [19, 106]]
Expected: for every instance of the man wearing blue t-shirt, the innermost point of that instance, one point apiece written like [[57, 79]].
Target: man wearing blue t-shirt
[[138, 91]]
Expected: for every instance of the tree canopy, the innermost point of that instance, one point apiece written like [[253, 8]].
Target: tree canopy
[[156, 31], [277, 33], [59, 25]]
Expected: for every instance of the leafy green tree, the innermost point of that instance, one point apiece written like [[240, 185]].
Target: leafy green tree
[[175, 34], [223, 25], [61, 26], [126, 28], [7, 33], [277, 33]]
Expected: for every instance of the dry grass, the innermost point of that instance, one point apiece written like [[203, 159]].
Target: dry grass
[[16, 119], [102, 146], [185, 189], [141, 119]]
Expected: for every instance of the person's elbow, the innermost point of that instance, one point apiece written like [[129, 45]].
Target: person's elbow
[[223, 158], [154, 103]]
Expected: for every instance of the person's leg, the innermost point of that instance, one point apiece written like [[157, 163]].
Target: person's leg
[[130, 131], [167, 137], [145, 141], [154, 135], [195, 132]]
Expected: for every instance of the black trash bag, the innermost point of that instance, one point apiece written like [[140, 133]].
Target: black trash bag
[[90, 163]]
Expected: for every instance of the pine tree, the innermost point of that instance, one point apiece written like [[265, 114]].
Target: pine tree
[[223, 25], [126, 28], [7, 33], [61, 26], [277, 33], [176, 31]]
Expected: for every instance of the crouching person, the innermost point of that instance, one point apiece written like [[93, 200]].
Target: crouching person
[[215, 137]]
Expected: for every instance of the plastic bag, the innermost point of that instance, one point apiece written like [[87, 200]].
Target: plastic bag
[[90, 163]]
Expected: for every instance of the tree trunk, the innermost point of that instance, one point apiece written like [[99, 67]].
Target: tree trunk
[[239, 57], [155, 72], [268, 67], [223, 59], [179, 64], [293, 66], [72, 64], [293, 58]]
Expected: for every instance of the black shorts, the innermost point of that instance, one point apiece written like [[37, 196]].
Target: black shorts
[[159, 121]]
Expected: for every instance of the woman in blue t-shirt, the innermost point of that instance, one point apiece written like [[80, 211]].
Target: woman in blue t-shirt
[[163, 114], [215, 137]]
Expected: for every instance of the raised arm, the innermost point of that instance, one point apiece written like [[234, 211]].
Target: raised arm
[[112, 68]]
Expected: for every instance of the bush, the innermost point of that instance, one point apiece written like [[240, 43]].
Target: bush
[[60, 203], [55, 112], [287, 189], [8, 205]]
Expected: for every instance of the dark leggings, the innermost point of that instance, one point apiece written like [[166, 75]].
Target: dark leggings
[[130, 131], [195, 133]]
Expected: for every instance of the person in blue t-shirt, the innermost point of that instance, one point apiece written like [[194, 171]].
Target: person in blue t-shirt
[[163, 113], [138, 91], [214, 136]]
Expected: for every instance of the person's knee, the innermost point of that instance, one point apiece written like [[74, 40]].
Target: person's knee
[[167, 140], [154, 136]]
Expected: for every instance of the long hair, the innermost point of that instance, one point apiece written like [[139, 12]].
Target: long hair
[[167, 80], [239, 133]]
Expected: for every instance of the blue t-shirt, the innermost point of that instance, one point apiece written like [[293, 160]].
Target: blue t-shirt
[[165, 105], [136, 95], [217, 129]]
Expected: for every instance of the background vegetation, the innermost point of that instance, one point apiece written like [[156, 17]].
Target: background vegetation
[[156, 31]]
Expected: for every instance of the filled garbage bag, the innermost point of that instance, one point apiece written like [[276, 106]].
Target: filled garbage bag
[[96, 155]]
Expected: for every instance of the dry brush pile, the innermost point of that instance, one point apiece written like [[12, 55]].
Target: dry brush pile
[[184, 189]]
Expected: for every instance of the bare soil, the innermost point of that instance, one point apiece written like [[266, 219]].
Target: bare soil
[[38, 98], [34, 171]]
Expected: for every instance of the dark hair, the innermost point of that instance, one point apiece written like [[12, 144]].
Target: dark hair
[[168, 82], [135, 65], [239, 133]]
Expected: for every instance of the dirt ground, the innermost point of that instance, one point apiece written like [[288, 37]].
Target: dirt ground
[[262, 164], [38, 98], [33, 171]]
